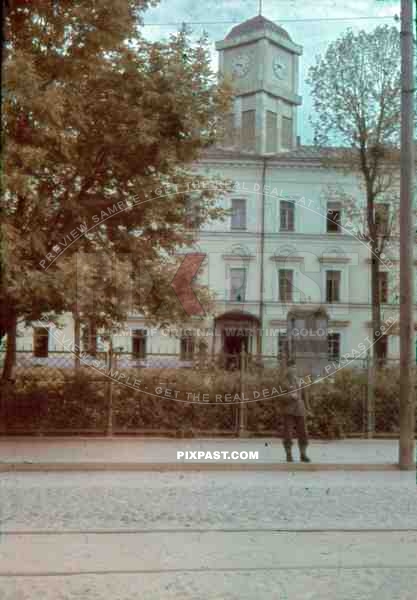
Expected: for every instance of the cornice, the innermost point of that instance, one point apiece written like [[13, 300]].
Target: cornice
[[257, 161], [334, 307], [287, 259], [282, 236], [332, 323], [260, 34], [237, 163], [237, 258], [338, 324], [260, 87], [329, 259]]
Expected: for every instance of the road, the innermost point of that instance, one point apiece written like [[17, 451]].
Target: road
[[222, 535]]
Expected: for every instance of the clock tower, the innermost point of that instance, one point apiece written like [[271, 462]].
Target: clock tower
[[261, 61]]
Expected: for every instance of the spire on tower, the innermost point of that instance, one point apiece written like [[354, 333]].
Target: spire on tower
[[260, 7]]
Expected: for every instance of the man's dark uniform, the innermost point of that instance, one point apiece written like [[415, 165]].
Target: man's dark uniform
[[293, 413]]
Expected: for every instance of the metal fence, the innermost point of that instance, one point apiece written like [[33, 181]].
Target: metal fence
[[59, 359], [66, 394]]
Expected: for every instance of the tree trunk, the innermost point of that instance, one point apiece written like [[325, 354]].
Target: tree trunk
[[10, 360], [375, 354], [376, 311]]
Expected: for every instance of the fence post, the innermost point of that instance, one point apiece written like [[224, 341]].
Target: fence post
[[77, 338], [242, 405], [4, 399], [370, 404], [110, 392]]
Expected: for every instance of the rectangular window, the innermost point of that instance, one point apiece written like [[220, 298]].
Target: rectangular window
[[248, 130], [332, 286], [40, 342], [238, 213], [333, 346], [334, 213], [237, 285], [382, 219], [286, 138], [271, 131], [383, 287], [187, 347], [287, 215], [285, 285], [139, 340]]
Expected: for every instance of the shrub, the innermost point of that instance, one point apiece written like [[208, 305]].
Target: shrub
[[64, 399]]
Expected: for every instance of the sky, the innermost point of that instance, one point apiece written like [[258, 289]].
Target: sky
[[311, 23]]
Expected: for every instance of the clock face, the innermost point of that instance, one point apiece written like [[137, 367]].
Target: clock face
[[241, 65], [280, 68]]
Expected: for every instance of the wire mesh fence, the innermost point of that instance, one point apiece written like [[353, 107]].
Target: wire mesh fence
[[63, 393], [59, 359]]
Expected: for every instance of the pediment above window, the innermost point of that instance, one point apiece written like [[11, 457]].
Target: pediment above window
[[334, 259], [288, 259]]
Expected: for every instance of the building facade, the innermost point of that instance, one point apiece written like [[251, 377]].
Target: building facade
[[289, 240]]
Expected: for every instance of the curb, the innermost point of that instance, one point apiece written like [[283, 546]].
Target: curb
[[7, 467]]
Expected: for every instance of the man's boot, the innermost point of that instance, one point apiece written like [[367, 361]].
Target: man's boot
[[287, 446], [303, 449]]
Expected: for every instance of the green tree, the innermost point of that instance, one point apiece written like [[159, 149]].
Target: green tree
[[100, 116], [356, 88]]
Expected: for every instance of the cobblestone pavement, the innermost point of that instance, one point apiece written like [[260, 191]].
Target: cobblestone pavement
[[112, 500], [208, 536]]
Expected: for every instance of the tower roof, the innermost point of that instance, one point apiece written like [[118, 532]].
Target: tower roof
[[258, 23]]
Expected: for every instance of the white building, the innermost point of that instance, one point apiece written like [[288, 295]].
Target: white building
[[282, 247]]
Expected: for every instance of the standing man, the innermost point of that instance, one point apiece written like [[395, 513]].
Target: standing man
[[293, 412]]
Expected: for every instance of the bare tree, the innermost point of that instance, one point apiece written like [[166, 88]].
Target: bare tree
[[356, 88]]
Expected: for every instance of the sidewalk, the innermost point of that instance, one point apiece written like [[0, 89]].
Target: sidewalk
[[132, 453]]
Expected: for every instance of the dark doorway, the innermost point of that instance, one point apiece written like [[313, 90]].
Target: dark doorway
[[239, 330], [139, 343], [233, 344], [40, 342]]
